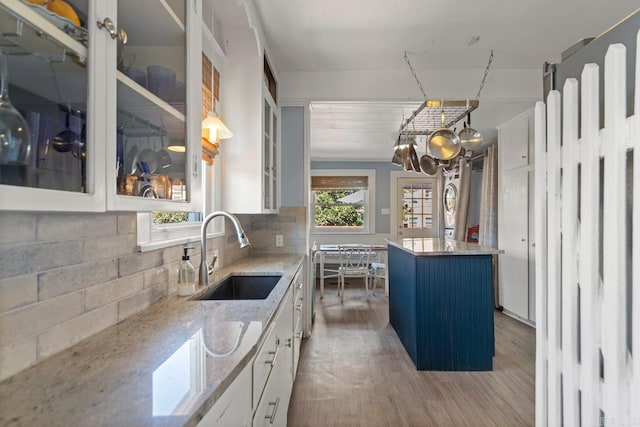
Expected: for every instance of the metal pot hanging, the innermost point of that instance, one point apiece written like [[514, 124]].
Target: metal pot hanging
[[397, 153], [428, 165], [444, 144], [412, 155], [470, 139]]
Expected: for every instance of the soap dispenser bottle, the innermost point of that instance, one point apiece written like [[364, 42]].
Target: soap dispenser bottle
[[186, 275]]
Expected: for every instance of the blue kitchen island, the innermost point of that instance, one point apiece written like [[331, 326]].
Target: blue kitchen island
[[441, 303]]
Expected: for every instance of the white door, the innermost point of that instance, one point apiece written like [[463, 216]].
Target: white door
[[514, 240], [416, 206]]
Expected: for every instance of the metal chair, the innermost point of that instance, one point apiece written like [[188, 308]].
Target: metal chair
[[377, 271], [354, 263]]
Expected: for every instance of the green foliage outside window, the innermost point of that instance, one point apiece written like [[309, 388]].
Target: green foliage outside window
[[331, 212], [161, 217]]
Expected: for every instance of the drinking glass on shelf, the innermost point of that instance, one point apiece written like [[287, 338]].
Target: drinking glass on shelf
[[15, 136]]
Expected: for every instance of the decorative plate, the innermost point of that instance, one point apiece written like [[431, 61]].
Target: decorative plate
[[65, 25]]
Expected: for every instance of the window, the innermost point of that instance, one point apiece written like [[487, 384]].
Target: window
[[342, 200], [417, 206]]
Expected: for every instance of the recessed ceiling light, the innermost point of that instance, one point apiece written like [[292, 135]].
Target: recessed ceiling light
[[473, 40]]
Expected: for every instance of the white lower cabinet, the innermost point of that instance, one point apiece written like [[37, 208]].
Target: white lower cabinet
[[233, 408], [298, 308], [260, 394], [271, 409], [274, 403]]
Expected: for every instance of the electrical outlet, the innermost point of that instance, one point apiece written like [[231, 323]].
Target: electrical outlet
[[279, 240]]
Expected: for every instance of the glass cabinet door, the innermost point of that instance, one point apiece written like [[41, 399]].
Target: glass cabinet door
[[151, 114], [46, 129], [274, 160], [270, 154], [266, 155]]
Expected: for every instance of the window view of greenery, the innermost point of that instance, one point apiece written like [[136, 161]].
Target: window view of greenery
[[339, 208], [163, 217]]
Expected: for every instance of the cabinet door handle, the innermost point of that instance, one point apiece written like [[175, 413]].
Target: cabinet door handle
[[108, 25], [299, 286], [299, 307], [289, 343], [299, 335], [272, 362], [272, 417]]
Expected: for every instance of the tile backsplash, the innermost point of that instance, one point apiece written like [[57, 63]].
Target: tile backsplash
[[65, 277]]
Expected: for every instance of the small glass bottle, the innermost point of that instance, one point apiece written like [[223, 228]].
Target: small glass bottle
[[186, 275]]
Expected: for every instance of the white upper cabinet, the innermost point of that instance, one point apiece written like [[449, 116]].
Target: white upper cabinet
[[251, 158], [270, 153], [52, 126], [514, 136], [104, 95], [154, 102]]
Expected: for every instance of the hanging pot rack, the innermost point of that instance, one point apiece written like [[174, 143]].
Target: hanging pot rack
[[436, 115], [428, 116]]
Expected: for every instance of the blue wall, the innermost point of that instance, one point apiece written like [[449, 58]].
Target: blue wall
[[383, 173], [292, 140]]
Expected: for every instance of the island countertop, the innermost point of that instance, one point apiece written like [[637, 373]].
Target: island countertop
[[165, 366], [423, 246]]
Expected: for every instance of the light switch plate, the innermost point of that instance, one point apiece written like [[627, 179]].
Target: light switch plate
[[279, 240]]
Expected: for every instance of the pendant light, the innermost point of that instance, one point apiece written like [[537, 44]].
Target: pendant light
[[215, 128]]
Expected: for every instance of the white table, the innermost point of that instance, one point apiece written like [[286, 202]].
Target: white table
[[330, 254]]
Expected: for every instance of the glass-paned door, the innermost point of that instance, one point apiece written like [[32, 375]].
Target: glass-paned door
[[416, 207], [44, 117], [152, 151]]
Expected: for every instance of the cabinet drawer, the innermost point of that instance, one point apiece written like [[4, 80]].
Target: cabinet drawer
[[263, 363], [274, 404], [274, 347], [297, 342]]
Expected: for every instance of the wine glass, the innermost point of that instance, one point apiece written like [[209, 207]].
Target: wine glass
[[15, 135]]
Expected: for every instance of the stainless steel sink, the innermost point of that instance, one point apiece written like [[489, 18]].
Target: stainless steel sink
[[241, 288]]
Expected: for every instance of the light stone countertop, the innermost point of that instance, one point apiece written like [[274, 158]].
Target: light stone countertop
[[165, 366], [420, 246]]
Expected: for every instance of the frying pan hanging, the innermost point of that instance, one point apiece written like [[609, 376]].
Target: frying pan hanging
[[413, 156], [470, 139], [444, 144], [397, 153]]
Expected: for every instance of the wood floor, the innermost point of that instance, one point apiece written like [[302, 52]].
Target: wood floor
[[354, 371]]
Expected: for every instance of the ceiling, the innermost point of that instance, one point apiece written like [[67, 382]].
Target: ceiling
[[337, 36]]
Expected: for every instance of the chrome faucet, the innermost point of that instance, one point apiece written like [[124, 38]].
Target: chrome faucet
[[206, 269]]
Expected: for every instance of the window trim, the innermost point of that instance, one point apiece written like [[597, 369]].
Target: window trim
[[150, 238], [370, 204]]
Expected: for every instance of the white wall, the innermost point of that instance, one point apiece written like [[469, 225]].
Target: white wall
[[292, 143]]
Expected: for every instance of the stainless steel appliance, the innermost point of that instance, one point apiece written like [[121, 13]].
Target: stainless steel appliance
[[593, 50], [450, 203]]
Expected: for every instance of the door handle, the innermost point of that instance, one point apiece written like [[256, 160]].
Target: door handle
[[272, 362], [272, 417]]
